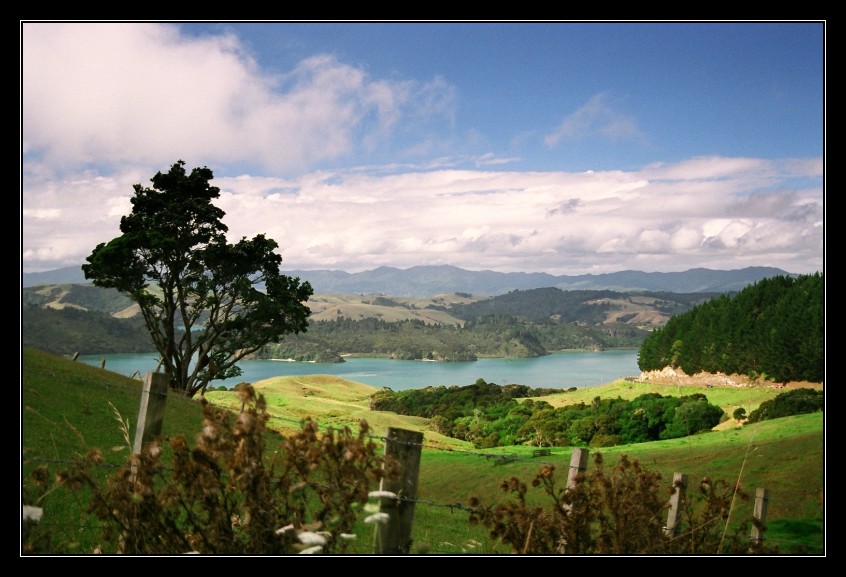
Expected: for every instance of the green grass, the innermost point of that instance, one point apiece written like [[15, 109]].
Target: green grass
[[727, 398], [68, 408], [332, 402]]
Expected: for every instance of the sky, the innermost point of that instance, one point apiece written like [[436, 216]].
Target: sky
[[560, 147]]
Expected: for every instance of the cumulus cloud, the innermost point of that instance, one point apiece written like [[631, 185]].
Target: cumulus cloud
[[127, 92], [102, 103], [557, 222]]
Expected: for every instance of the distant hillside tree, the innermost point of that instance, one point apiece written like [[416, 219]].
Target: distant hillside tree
[[793, 402], [774, 328], [206, 303]]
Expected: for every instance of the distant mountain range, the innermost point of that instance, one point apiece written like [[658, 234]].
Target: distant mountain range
[[425, 281]]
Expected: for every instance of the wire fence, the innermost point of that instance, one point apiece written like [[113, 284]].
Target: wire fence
[[74, 528]]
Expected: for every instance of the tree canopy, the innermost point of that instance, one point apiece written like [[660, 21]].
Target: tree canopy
[[773, 328], [207, 303]]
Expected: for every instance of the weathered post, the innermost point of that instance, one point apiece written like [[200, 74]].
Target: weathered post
[[150, 419], [151, 413], [578, 464], [394, 535], [759, 513], [676, 503]]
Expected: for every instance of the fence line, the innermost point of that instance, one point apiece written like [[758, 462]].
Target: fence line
[[75, 528], [393, 535], [499, 458], [410, 461], [398, 498]]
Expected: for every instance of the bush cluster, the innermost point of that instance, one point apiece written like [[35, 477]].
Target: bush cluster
[[617, 511], [227, 495]]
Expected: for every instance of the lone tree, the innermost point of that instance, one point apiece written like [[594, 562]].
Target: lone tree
[[206, 303]]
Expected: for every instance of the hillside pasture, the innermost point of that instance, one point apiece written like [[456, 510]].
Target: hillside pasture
[[327, 307], [69, 407], [726, 397], [332, 402]]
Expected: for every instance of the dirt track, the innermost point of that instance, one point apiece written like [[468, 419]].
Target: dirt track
[[670, 376]]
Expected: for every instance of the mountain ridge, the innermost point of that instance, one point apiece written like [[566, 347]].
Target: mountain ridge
[[428, 280]]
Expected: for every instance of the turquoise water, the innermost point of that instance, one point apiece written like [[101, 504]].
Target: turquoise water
[[558, 370]]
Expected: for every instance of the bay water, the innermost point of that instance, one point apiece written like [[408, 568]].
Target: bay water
[[558, 370]]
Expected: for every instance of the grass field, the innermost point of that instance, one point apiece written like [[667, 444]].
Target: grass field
[[68, 408]]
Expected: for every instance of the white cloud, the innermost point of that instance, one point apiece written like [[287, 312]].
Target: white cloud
[[102, 103], [549, 221], [711, 168], [97, 93], [595, 118]]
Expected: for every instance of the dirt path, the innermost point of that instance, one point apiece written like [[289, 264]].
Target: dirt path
[[677, 377]]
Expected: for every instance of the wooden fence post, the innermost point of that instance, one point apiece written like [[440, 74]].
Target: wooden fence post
[[578, 464], [676, 503], [151, 413], [394, 535], [760, 513], [150, 418]]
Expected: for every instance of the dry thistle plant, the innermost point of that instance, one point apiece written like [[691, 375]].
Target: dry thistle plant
[[616, 511], [228, 495]]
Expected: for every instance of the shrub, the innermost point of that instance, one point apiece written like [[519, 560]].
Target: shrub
[[793, 402], [227, 495], [616, 511]]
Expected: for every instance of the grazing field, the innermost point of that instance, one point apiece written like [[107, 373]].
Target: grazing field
[[69, 408]]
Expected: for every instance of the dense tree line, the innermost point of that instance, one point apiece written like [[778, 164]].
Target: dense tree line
[[541, 304], [774, 328], [406, 339], [793, 402], [491, 416], [67, 331], [413, 339]]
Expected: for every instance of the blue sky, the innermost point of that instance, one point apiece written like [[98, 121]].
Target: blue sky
[[566, 148]]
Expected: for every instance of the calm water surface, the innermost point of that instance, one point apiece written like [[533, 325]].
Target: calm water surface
[[558, 370]]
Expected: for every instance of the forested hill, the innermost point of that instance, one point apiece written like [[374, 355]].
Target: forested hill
[[447, 327], [458, 326], [774, 328], [580, 306]]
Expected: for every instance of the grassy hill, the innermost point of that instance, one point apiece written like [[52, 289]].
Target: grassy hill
[[389, 309], [642, 310], [84, 319], [68, 408]]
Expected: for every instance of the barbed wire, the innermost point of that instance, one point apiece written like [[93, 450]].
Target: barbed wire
[[76, 528], [499, 458], [125, 386], [796, 546], [72, 462], [453, 507]]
